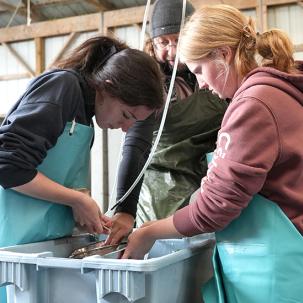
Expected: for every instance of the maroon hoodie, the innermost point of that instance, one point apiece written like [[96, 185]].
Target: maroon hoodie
[[259, 150]]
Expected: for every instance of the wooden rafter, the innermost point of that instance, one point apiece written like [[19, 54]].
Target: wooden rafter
[[101, 5], [22, 11], [242, 4], [14, 76], [123, 17], [19, 58], [56, 2], [110, 19], [85, 23], [66, 45], [40, 55], [4, 6], [262, 15], [35, 14]]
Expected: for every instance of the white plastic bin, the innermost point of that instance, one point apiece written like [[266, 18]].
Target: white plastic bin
[[40, 273]]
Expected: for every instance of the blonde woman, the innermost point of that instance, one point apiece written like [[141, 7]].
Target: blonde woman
[[252, 195]]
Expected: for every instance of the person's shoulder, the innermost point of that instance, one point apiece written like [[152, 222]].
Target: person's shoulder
[[61, 81], [53, 86], [61, 76]]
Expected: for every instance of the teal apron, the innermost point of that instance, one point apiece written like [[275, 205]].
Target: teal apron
[[258, 258], [25, 219]]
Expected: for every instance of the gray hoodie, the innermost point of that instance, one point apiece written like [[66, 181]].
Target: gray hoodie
[[259, 150]]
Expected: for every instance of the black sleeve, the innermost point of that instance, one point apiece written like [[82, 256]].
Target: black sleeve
[[34, 125], [136, 149]]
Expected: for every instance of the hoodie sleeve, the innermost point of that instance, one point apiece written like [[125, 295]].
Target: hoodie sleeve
[[247, 147], [35, 124]]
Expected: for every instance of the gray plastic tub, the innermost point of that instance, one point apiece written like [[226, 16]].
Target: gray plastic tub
[[174, 272]]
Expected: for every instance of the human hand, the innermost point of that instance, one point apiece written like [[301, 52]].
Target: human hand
[[139, 243], [121, 225], [88, 214]]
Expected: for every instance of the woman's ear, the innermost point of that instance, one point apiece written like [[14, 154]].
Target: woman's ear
[[226, 53]]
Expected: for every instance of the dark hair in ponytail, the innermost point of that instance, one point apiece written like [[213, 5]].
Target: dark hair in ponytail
[[125, 73]]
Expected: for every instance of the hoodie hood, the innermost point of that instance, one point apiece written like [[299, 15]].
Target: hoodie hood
[[291, 84]]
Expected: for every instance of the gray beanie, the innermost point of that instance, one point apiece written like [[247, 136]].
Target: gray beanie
[[166, 17]]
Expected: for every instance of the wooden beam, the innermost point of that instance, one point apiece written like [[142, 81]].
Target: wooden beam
[[22, 11], [128, 16], [280, 2], [124, 17], [40, 56], [4, 6], [242, 4], [66, 45], [19, 59], [56, 2], [57, 27], [115, 18], [35, 14], [101, 5], [14, 77], [262, 16]]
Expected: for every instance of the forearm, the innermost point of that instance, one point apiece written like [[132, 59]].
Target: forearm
[[44, 188], [162, 229], [141, 240], [85, 210]]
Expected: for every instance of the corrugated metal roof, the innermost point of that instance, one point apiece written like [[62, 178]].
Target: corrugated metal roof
[[42, 10], [6, 16]]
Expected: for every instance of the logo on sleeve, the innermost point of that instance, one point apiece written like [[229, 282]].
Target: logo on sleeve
[[223, 143]]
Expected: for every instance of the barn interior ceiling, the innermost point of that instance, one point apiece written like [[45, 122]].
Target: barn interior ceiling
[[18, 12]]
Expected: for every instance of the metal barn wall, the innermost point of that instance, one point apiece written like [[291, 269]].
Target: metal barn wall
[[10, 90], [290, 19]]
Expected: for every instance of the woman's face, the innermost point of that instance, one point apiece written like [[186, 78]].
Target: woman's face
[[111, 112], [214, 76], [165, 47]]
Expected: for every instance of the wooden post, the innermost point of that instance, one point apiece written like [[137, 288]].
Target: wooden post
[[19, 58], [66, 45], [14, 76], [262, 22], [40, 56]]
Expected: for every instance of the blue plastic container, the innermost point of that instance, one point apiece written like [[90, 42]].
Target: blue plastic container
[[40, 272]]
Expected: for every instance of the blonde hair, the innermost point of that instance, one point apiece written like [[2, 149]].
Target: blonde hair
[[215, 26]]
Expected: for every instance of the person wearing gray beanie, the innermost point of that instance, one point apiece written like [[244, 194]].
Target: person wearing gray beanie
[[164, 27], [190, 131], [166, 16]]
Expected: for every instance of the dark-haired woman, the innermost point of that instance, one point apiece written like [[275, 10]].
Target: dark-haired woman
[[45, 139]]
